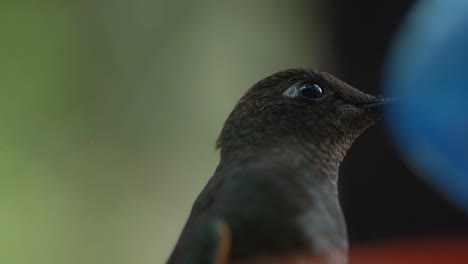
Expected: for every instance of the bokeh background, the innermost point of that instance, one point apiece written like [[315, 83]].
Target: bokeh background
[[110, 109]]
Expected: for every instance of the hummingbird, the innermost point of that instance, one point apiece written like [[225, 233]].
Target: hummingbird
[[273, 197]]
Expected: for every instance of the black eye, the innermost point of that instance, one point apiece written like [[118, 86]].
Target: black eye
[[311, 90]]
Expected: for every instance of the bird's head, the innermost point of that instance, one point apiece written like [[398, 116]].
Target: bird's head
[[302, 106]]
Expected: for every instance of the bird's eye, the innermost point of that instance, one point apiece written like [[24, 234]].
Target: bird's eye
[[311, 90]]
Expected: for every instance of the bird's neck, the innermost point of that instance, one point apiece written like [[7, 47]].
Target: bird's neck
[[314, 173], [324, 158]]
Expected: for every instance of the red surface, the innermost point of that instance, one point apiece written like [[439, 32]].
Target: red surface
[[415, 252], [427, 251]]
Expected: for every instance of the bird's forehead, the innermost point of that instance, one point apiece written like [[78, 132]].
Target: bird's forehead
[[288, 77]]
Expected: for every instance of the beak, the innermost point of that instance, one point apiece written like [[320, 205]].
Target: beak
[[383, 105]]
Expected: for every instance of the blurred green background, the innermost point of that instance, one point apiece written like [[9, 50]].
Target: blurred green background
[[110, 109]]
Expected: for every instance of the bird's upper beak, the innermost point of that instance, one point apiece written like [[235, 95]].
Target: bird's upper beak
[[383, 105]]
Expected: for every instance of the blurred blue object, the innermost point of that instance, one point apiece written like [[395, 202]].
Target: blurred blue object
[[428, 71]]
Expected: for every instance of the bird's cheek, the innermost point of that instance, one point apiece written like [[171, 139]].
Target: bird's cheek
[[340, 125], [346, 117], [345, 111]]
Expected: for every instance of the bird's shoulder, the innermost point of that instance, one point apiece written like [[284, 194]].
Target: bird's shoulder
[[260, 200]]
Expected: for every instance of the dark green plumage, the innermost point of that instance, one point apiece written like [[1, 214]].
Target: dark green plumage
[[275, 187], [205, 243]]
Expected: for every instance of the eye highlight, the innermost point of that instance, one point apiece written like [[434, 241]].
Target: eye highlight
[[311, 91]]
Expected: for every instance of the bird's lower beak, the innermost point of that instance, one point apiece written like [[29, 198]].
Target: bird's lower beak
[[384, 105]]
